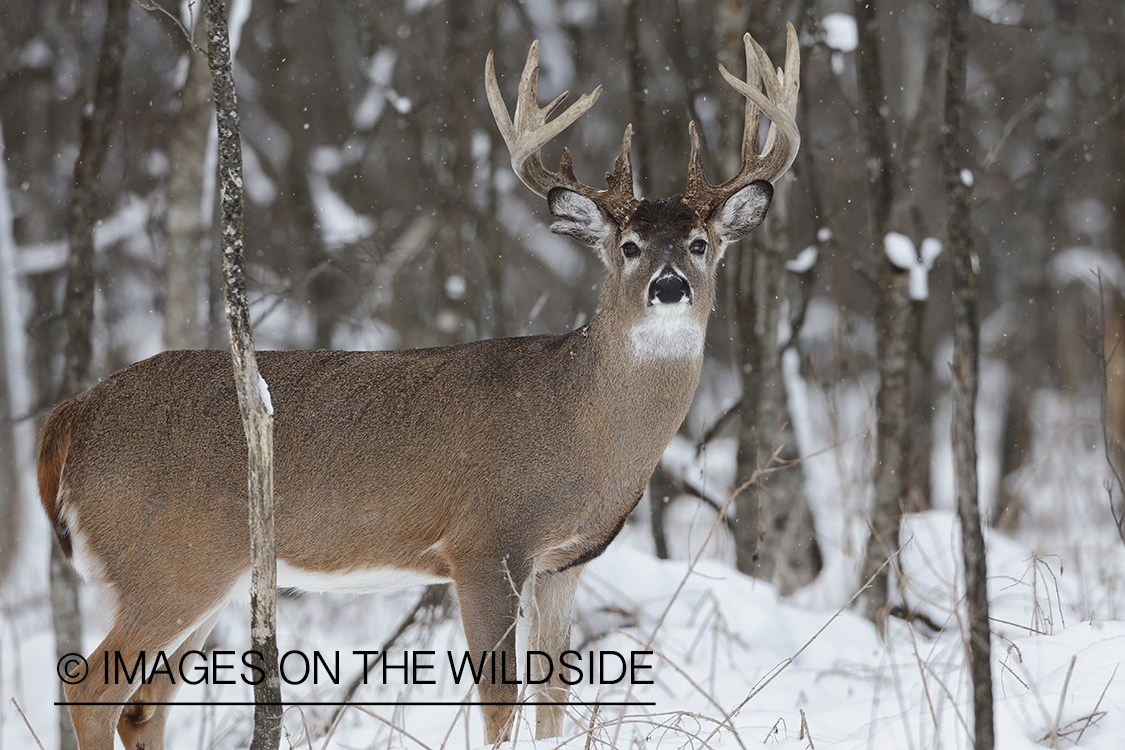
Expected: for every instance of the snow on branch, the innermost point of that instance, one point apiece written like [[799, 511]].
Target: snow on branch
[[902, 255]]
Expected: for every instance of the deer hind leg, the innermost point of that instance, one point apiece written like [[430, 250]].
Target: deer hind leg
[[551, 608], [93, 724], [489, 595], [96, 701], [141, 725], [143, 624]]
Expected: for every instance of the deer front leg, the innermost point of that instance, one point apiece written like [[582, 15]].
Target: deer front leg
[[551, 609], [489, 594]]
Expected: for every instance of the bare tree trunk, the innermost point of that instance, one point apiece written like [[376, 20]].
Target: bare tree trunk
[[747, 327], [1029, 350], [1027, 372], [638, 94], [966, 364], [95, 133], [662, 490], [919, 434], [257, 413], [892, 319], [12, 397], [96, 130], [1114, 333], [890, 207], [662, 486], [11, 495], [296, 197], [895, 326], [185, 318], [494, 307], [457, 233], [491, 237], [775, 536]]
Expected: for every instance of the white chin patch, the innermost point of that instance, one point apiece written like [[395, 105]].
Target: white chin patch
[[667, 332]]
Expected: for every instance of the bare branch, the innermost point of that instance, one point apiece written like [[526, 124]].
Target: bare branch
[[188, 35]]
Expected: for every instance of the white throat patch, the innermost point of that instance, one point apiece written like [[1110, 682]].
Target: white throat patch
[[667, 332]]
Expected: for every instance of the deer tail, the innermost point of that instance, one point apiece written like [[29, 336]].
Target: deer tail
[[54, 444]]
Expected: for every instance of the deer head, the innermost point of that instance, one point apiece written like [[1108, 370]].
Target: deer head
[[660, 255]]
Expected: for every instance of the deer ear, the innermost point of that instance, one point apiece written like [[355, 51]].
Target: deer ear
[[744, 211], [578, 216]]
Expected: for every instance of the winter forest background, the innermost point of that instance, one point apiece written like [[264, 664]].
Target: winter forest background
[[382, 213]]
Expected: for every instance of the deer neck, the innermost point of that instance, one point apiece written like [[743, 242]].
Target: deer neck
[[655, 339], [649, 395]]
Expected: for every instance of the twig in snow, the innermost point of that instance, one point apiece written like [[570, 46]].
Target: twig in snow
[[683, 673], [305, 724], [1094, 714], [28, 723], [593, 719], [1019, 654], [773, 730], [922, 673], [805, 730], [1054, 733]]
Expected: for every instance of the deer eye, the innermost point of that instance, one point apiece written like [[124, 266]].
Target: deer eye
[[699, 247], [630, 249]]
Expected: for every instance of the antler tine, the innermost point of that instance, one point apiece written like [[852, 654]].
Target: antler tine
[[753, 115], [781, 88], [528, 131], [778, 103]]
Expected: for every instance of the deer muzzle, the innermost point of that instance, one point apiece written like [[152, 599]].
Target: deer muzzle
[[669, 287]]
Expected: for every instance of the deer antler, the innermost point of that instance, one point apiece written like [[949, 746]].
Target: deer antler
[[778, 103], [529, 131]]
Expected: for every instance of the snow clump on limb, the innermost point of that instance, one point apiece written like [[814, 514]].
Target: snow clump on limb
[[902, 255]]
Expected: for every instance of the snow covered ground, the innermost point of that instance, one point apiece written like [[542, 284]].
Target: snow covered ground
[[733, 665]]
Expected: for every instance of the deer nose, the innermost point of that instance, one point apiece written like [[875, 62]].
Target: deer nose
[[668, 289]]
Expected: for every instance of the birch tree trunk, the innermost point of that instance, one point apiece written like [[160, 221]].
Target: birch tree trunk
[[95, 133], [253, 395], [966, 362]]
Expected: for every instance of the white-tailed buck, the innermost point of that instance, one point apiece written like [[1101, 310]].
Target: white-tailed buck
[[491, 464]]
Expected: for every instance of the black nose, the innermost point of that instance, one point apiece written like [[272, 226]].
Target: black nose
[[669, 289]]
